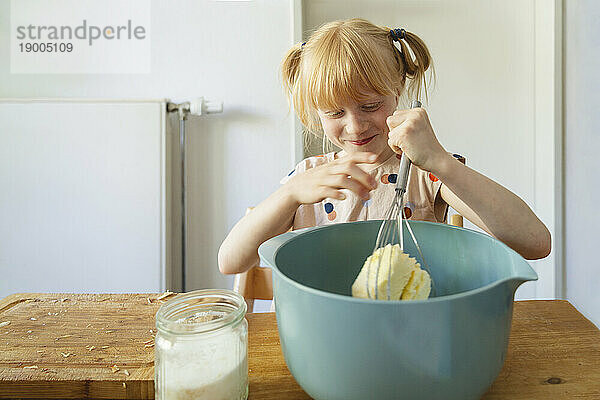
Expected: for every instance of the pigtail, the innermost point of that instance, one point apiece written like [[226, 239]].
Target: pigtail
[[413, 68], [290, 70], [296, 92]]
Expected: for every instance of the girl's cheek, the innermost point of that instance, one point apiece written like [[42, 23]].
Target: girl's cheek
[[331, 129], [382, 118]]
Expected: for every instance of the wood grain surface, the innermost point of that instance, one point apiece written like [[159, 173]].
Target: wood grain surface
[[554, 352], [49, 357]]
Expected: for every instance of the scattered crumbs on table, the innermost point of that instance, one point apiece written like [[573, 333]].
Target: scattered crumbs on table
[[29, 331], [65, 355], [109, 331], [31, 367], [149, 345], [2, 324], [33, 319], [105, 347], [62, 337], [90, 348], [114, 368], [125, 372], [148, 341], [39, 351], [165, 295]]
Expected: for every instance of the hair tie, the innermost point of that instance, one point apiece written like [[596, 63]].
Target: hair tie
[[397, 34]]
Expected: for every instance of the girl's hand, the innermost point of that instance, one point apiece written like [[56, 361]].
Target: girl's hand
[[411, 132], [326, 181]]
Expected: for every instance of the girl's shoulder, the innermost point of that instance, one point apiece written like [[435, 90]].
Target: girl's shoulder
[[308, 163]]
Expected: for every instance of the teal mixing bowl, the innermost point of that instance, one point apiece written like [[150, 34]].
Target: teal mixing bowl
[[451, 346]]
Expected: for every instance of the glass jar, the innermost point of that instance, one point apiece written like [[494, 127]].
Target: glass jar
[[201, 347]]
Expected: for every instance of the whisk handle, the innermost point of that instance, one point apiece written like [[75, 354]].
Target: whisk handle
[[405, 163], [403, 174]]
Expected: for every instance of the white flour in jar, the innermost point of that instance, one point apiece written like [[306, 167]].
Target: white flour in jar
[[215, 368]]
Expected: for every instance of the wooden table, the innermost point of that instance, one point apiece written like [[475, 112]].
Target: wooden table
[[46, 350]]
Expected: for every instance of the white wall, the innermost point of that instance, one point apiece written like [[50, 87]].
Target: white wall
[[581, 144], [226, 50]]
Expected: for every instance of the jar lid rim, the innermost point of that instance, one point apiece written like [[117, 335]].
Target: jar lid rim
[[178, 303]]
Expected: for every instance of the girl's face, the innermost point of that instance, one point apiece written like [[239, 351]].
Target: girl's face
[[361, 126]]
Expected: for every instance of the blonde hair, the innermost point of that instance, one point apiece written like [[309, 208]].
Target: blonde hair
[[341, 58]]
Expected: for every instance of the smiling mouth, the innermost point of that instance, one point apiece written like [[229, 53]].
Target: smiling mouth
[[362, 142]]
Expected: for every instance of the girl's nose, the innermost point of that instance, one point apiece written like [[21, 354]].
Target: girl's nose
[[355, 125]]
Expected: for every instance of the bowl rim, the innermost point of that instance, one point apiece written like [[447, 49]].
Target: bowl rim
[[436, 299]]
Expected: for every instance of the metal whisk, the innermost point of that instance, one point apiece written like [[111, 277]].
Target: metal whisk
[[390, 231]]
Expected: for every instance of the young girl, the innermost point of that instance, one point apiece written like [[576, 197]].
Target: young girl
[[346, 83]]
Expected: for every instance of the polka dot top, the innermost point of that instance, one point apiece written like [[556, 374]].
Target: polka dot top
[[423, 199]]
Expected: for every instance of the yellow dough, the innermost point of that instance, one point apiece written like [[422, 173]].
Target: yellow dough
[[407, 280]]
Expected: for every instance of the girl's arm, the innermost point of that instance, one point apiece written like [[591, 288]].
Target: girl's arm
[[482, 201], [275, 215], [493, 208]]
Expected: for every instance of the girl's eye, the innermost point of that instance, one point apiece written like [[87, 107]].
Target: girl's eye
[[366, 107], [372, 107]]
